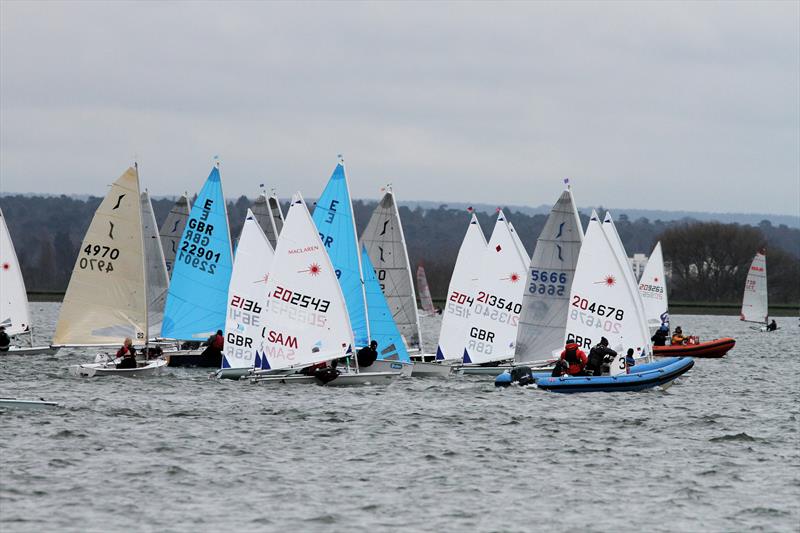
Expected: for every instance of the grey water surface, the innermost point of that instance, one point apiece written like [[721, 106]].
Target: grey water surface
[[718, 451]]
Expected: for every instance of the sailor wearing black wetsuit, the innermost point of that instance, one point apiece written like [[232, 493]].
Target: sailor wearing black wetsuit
[[597, 357], [367, 355]]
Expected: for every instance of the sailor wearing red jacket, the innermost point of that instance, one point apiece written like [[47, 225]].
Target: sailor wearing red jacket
[[575, 358]]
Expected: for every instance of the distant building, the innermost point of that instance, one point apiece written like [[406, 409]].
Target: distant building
[[639, 261]]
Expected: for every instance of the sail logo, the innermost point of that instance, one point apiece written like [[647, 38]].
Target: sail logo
[[608, 281], [304, 250], [757, 268]]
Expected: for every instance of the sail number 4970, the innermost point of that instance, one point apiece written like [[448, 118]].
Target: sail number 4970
[[99, 258]]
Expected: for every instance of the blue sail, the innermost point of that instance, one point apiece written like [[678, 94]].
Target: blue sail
[[198, 291], [334, 219], [382, 327]]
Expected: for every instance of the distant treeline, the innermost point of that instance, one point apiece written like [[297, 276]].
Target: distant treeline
[[709, 260]]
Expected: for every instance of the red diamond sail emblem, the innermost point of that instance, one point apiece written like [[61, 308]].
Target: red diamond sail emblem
[[498, 248]]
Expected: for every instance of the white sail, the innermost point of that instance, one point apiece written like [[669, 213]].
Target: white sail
[[425, 298], [653, 288], [263, 210], [157, 276], [601, 302], [755, 302], [14, 314], [549, 280], [386, 246], [630, 279], [172, 230], [247, 296], [458, 306], [492, 333], [307, 318], [106, 299], [523, 253], [277, 213]]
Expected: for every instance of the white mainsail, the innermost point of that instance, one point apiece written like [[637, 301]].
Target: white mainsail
[[494, 320], [386, 246], [14, 313], [630, 279], [157, 276], [601, 302], [458, 306], [247, 296], [106, 299], [549, 280], [172, 230], [307, 320], [653, 288], [425, 298], [268, 217], [755, 302]]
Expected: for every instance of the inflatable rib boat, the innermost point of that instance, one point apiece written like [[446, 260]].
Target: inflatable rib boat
[[716, 348], [642, 377]]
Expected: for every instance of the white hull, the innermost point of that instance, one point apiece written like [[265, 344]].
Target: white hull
[[31, 350], [29, 405], [384, 365], [483, 370], [91, 370], [432, 370], [232, 373], [343, 380]]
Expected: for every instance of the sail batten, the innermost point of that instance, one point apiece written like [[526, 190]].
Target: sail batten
[[386, 246], [198, 291], [106, 300]]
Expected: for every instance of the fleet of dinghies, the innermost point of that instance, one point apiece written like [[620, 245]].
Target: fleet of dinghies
[[303, 293]]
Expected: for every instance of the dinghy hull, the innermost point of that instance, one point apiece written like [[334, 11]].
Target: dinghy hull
[[386, 365], [32, 350], [432, 370], [343, 380], [26, 405], [711, 349], [192, 358], [648, 376], [109, 369]]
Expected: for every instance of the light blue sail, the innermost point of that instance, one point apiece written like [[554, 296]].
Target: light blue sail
[[334, 219], [382, 327], [198, 291]]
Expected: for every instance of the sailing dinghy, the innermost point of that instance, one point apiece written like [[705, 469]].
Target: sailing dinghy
[[425, 298], [198, 292], [14, 310], [545, 305], [106, 299], [335, 221], [157, 276], [247, 301], [172, 230], [494, 320], [755, 301], [307, 320]]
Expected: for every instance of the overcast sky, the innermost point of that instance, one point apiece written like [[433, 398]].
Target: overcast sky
[[690, 105]]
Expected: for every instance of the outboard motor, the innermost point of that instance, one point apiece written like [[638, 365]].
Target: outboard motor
[[521, 375]]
